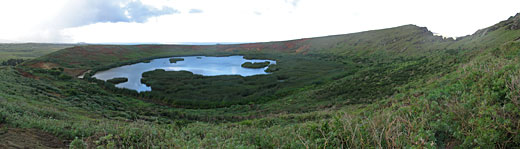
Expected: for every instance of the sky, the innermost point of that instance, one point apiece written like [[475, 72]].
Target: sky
[[235, 21]]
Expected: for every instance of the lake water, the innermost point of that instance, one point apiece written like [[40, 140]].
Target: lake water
[[202, 65]]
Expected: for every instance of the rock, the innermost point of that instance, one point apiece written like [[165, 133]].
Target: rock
[[513, 23]]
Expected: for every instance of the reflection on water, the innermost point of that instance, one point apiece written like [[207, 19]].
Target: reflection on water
[[207, 66]]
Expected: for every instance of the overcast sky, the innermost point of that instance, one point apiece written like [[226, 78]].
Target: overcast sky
[[178, 21]]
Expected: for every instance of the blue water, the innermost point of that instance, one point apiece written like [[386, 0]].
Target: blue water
[[202, 65]]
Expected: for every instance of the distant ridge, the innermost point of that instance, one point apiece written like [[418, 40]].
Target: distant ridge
[[211, 43], [7, 41], [168, 43]]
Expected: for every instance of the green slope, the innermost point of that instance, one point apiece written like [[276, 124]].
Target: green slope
[[403, 40], [28, 50], [390, 88]]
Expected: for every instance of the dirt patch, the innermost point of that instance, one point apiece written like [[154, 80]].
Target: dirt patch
[[91, 140], [453, 144], [302, 49], [74, 72], [17, 138], [83, 74], [230, 49], [45, 65], [26, 74]]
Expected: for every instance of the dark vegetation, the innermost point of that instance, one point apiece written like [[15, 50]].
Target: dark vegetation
[[117, 80], [256, 64], [184, 89], [12, 62], [393, 88], [175, 60]]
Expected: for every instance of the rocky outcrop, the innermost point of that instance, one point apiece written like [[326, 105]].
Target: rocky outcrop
[[515, 22]]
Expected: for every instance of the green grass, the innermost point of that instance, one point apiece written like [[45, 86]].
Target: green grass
[[28, 50]]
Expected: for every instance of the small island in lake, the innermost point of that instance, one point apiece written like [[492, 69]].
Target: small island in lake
[[256, 64], [117, 80], [175, 60]]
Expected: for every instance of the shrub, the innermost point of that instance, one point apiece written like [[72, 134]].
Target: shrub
[[77, 144], [256, 64], [175, 60]]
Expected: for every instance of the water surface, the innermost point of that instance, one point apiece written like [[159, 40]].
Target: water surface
[[202, 65]]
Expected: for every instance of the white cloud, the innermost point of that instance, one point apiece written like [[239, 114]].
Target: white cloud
[[195, 11], [44, 22], [254, 20]]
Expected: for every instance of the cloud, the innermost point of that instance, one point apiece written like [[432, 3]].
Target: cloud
[[238, 20], [195, 11], [77, 13], [138, 12], [84, 12], [293, 2]]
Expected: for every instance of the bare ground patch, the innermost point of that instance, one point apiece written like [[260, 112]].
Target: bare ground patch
[[17, 138]]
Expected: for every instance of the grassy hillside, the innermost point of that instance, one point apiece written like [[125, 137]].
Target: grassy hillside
[[391, 88], [28, 50], [354, 60], [404, 40]]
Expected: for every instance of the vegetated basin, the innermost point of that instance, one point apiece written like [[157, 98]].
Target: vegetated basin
[[202, 65]]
